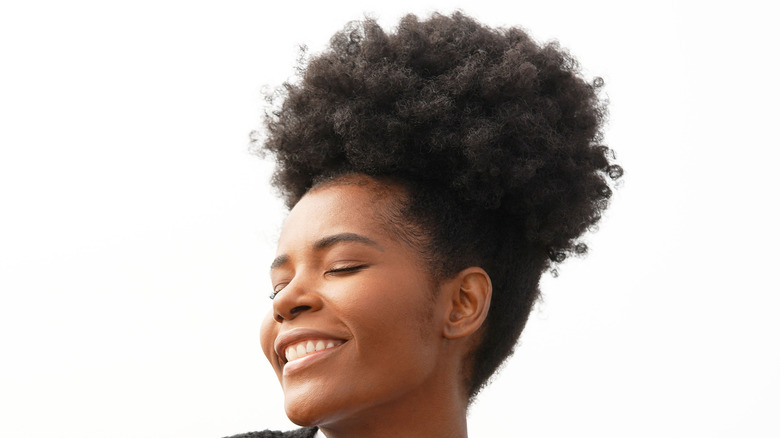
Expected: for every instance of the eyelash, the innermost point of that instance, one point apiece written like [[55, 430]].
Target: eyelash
[[347, 269], [330, 271]]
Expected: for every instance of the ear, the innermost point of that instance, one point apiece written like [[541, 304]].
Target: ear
[[469, 302]]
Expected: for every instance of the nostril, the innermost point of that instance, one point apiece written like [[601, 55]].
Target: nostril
[[298, 309], [293, 312]]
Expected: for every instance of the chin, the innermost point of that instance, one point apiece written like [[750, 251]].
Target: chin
[[304, 411], [314, 408], [305, 406]]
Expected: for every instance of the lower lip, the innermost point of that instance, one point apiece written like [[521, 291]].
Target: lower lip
[[292, 367]]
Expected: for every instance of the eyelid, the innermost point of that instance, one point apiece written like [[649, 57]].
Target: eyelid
[[342, 268], [347, 268], [276, 290]]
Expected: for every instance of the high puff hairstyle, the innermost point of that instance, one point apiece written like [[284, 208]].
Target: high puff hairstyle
[[495, 138]]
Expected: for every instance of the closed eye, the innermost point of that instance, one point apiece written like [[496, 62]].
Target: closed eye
[[278, 288], [336, 271], [346, 269]]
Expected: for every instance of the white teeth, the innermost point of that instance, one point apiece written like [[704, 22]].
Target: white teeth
[[301, 349]]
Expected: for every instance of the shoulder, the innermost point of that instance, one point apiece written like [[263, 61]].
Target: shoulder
[[299, 433]]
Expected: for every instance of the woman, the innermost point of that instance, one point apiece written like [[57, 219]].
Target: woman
[[433, 175]]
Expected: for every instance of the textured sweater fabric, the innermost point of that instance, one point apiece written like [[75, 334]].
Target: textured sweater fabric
[[307, 432]]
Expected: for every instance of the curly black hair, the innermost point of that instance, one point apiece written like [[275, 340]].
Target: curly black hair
[[496, 139]]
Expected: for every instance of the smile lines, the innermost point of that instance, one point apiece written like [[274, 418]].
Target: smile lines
[[303, 348]]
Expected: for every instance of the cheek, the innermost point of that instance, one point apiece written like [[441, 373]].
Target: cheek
[[268, 331], [397, 344], [395, 312]]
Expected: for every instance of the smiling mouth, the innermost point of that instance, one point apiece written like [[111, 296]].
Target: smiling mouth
[[304, 348]]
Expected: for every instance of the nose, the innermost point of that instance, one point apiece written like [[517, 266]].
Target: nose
[[297, 297]]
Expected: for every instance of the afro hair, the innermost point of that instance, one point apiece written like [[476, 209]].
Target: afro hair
[[496, 138]]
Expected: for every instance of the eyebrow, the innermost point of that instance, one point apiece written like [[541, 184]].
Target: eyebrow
[[329, 241]]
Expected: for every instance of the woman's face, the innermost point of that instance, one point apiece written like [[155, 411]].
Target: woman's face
[[353, 328]]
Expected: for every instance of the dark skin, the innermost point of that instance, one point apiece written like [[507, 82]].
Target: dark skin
[[388, 343]]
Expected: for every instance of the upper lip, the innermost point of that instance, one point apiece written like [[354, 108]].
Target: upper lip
[[297, 335]]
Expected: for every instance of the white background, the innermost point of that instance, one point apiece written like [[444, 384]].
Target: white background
[[136, 230]]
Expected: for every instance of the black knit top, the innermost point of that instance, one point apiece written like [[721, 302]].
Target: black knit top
[[299, 433]]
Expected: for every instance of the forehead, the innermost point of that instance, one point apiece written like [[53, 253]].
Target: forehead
[[339, 208]]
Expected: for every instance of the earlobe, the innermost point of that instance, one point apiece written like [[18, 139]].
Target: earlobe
[[469, 303]]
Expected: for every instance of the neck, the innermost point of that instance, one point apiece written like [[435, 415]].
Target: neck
[[434, 410]]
